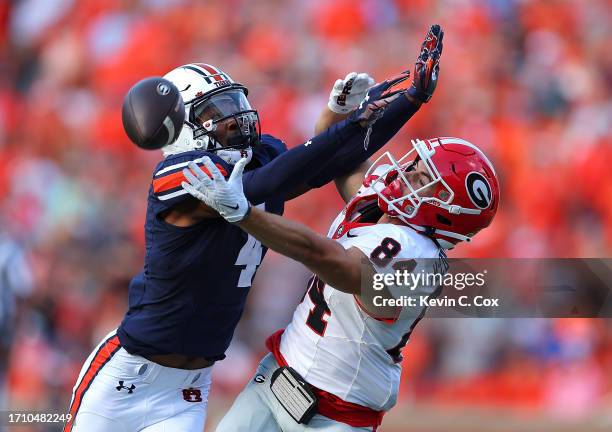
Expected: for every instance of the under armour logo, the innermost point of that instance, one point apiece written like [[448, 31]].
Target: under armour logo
[[130, 389], [192, 395], [367, 98], [307, 143], [163, 89]]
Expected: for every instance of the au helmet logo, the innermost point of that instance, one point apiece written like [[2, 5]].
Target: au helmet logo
[[163, 89], [478, 189]]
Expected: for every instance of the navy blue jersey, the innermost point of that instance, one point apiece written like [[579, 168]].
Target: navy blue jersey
[[192, 291]]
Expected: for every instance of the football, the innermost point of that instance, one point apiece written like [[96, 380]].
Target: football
[[153, 113]]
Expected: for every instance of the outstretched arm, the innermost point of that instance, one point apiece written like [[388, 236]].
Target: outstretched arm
[[328, 259], [383, 112], [286, 174], [349, 164], [339, 267], [290, 171], [331, 154]]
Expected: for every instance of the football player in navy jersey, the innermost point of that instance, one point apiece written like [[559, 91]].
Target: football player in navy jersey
[[153, 372]]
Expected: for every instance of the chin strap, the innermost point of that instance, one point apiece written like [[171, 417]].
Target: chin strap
[[454, 235], [455, 209], [232, 156], [434, 232], [184, 143]]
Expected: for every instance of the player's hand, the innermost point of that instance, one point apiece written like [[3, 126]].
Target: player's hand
[[427, 66], [373, 106], [224, 196], [376, 100], [347, 93]]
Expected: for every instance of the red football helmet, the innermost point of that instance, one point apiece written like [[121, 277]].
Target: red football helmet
[[460, 200]]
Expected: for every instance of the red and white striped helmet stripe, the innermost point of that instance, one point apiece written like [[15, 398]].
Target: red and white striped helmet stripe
[[208, 72]]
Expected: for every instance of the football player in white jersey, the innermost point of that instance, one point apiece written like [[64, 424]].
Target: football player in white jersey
[[336, 367]]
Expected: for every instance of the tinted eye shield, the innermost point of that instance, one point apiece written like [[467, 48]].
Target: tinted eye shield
[[219, 105], [231, 109]]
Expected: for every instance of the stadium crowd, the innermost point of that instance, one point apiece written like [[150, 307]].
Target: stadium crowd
[[528, 81]]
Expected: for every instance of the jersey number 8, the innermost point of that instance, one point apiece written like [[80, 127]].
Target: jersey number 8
[[385, 252]]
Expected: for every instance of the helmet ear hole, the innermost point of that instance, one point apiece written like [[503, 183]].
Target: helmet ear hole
[[443, 220]]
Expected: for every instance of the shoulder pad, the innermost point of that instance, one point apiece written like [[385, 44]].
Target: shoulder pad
[[401, 241], [168, 174], [273, 145]]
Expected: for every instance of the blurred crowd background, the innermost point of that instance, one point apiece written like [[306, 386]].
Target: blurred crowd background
[[528, 81]]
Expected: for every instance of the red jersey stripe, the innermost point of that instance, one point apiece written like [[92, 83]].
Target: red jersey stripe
[[104, 354], [174, 180], [328, 404]]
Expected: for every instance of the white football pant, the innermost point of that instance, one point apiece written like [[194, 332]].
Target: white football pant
[[120, 392], [257, 409]]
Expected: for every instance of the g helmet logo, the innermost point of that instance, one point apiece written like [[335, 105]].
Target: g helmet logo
[[478, 189], [163, 89], [259, 378]]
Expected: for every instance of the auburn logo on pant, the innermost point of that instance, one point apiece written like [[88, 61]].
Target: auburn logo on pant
[[192, 395]]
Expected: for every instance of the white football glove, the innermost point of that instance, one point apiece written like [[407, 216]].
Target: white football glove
[[226, 197], [347, 93]]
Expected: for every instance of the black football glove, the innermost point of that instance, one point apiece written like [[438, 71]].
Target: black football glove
[[427, 66], [376, 100], [426, 71], [375, 103]]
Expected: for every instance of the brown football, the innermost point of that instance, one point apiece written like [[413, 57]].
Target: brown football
[[153, 113]]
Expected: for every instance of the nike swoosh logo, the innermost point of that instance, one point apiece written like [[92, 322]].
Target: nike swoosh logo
[[233, 208], [348, 234]]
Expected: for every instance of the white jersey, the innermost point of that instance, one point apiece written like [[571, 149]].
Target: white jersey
[[339, 347]]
